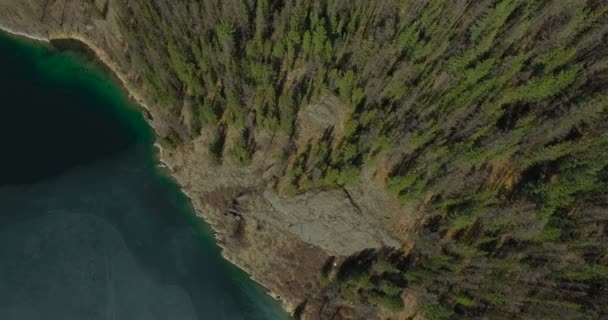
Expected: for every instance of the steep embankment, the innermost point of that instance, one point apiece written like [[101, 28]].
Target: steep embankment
[[470, 135]]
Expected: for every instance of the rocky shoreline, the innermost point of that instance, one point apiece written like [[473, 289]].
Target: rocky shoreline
[[282, 242], [135, 96], [24, 34]]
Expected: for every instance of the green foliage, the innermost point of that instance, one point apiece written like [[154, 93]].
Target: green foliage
[[492, 22], [488, 117], [466, 302], [586, 273], [195, 122], [349, 175], [287, 112], [392, 303], [241, 153], [483, 34], [172, 140], [381, 144], [542, 88], [464, 220], [397, 184], [216, 146], [582, 19], [382, 265], [358, 280], [207, 116], [184, 70], [436, 312], [495, 298], [350, 128], [555, 59], [389, 288], [345, 85]]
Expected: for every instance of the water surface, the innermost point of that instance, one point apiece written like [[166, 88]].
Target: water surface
[[89, 227]]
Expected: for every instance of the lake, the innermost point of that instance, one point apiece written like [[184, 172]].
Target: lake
[[90, 227]]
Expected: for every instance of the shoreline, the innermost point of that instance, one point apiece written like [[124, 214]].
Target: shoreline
[[105, 61], [24, 34], [139, 101]]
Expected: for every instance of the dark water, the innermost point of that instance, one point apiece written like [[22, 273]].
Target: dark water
[[89, 227]]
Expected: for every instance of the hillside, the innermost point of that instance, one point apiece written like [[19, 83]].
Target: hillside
[[378, 159]]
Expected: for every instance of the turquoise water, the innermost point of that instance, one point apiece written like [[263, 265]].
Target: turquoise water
[[89, 226]]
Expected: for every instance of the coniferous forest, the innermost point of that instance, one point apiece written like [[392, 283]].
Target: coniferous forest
[[490, 118]]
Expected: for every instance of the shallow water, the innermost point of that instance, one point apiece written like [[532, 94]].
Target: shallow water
[[89, 226]]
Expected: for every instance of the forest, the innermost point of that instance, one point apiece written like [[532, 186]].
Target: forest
[[488, 116]]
